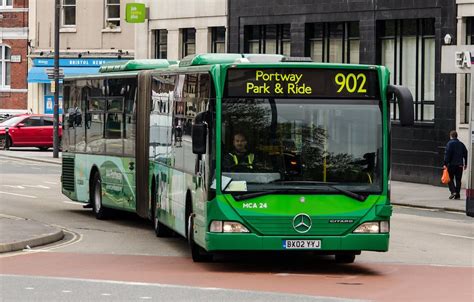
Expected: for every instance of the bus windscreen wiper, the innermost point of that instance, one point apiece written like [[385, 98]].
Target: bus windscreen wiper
[[332, 185], [356, 196], [242, 196]]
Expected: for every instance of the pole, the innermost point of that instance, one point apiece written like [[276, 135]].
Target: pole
[[470, 182], [56, 80]]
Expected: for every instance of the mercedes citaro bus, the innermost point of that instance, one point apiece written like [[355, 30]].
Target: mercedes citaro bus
[[151, 137]]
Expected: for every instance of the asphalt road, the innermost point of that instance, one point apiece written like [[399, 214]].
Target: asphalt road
[[426, 247]]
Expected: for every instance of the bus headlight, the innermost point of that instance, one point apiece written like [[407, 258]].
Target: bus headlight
[[373, 227], [218, 226]]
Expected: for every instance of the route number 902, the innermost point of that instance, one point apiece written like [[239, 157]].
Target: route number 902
[[351, 82]]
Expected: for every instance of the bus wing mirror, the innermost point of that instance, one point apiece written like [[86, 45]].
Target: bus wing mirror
[[405, 104], [199, 134]]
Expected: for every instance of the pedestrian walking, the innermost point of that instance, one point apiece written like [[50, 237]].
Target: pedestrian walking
[[455, 160]]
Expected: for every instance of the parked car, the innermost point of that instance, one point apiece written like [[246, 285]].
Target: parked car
[[28, 130]]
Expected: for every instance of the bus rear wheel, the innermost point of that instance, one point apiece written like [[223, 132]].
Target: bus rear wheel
[[197, 253], [99, 210], [345, 258]]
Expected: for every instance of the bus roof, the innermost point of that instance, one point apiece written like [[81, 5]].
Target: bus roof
[[136, 65], [229, 58]]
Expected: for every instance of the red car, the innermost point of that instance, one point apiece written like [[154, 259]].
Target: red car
[[28, 130]]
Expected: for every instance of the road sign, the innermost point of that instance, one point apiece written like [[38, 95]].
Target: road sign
[[457, 59], [135, 13], [50, 73]]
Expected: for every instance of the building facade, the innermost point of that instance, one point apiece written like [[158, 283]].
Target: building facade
[[13, 55], [91, 33], [465, 34], [177, 28], [406, 36]]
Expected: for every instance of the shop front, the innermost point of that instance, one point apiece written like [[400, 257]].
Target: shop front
[[40, 94]]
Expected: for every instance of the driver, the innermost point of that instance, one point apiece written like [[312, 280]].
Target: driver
[[239, 159]]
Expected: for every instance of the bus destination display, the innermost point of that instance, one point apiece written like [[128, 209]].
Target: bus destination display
[[302, 83]]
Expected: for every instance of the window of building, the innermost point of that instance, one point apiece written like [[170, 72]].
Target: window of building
[[218, 39], [189, 42], [407, 48], [6, 4], [270, 39], [466, 93], [5, 66], [68, 12], [112, 13], [161, 43], [333, 42]]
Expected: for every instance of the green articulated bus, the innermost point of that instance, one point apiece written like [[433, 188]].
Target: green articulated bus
[[238, 151]]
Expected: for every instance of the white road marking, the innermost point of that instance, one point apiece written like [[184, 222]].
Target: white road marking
[[29, 288], [145, 298], [458, 236], [22, 187], [50, 182], [15, 187], [106, 294], [21, 195], [76, 237], [72, 202], [11, 217], [66, 291]]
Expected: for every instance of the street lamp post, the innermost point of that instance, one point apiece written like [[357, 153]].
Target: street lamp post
[[56, 79]]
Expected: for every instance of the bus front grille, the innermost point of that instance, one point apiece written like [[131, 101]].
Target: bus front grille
[[68, 174], [283, 225]]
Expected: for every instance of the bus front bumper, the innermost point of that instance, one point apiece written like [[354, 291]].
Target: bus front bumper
[[252, 242]]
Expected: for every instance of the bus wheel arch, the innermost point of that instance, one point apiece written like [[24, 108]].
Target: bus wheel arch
[[161, 230], [197, 252]]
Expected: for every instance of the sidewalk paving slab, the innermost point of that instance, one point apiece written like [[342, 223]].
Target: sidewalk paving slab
[[18, 233]]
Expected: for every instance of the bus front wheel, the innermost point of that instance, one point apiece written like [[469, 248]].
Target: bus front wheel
[[198, 253], [99, 210]]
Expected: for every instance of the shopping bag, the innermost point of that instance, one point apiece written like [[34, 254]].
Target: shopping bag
[[445, 177]]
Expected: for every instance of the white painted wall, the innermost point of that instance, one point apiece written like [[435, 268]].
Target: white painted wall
[[174, 15]]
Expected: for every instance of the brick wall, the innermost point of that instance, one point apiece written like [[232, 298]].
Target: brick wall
[[14, 19], [19, 71], [11, 99]]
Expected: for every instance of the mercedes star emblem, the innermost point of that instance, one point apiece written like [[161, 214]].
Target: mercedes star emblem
[[302, 223]]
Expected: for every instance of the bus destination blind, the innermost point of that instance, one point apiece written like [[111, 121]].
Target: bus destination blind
[[302, 83]]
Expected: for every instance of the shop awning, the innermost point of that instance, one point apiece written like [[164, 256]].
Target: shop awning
[[38, 74]]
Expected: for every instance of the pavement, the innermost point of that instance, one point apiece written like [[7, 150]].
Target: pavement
[[17, 233]]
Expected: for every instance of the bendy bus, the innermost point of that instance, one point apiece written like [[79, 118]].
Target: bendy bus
[[154, 138]]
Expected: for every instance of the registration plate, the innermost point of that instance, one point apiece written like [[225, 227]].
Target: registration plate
[[301, 244]]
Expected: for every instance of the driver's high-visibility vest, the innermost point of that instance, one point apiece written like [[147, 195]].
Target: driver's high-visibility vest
[[248, 164]]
